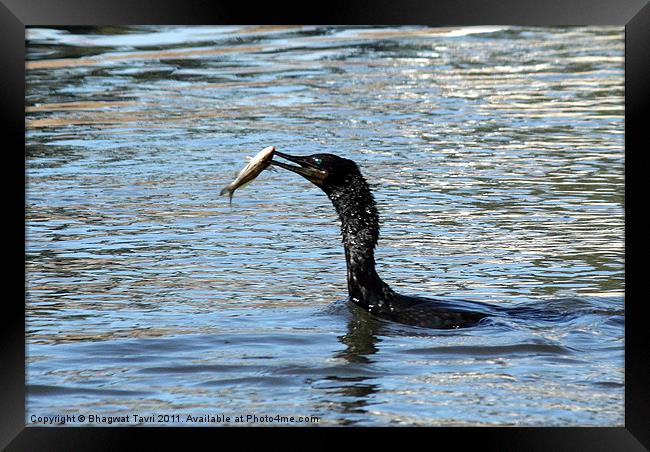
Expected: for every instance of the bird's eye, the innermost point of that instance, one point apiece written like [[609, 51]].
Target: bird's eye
[[318, 162]]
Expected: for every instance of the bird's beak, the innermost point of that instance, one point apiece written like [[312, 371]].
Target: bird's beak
[[306, 168]]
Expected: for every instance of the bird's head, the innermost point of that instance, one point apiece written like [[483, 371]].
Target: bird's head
[[327, 171]]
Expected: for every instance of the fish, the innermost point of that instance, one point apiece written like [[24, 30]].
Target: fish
[[253, 169]]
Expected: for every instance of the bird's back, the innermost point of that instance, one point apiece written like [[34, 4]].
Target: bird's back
[[436, 313]]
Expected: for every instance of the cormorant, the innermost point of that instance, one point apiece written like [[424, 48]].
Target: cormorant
[[350, 194]]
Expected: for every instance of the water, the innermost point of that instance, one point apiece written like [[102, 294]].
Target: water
[[496, 158]]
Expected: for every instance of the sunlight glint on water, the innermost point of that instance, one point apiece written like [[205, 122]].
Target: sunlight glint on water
[[496, 158]]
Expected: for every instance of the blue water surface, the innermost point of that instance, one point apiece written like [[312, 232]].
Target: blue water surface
[[496, 158]]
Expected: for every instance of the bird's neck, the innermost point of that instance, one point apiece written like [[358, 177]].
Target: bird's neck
[[356, 208]]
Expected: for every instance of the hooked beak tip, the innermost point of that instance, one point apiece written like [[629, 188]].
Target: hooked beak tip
[[306, 168]]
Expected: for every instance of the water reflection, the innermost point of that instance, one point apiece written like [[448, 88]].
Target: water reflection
[[496, 158], [361, 338], [355, 399]]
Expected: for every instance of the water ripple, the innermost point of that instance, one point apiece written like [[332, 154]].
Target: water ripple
[[496, 155]]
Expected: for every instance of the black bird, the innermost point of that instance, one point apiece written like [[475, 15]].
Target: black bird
[[350, 194]]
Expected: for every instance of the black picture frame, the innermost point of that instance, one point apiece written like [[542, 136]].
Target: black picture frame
[[15, 15]]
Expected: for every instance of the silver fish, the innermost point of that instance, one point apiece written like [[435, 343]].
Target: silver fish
[[250, 171]]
